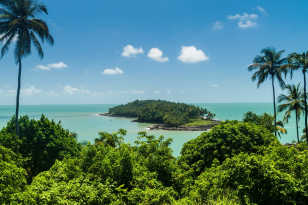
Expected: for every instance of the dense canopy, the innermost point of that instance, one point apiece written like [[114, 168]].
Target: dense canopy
[[159, 111], [234, 163]]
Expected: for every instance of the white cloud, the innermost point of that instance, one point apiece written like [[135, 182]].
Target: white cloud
[[70, 90], [28, 91], [157, 55], [214, 85], [137, 92], [156, 92], [59, 65], [73, 90], [131, 51], [113, 71], [31, 90], [247, 24], [245, 20], [261, 10], [218, 25], [190, 54]]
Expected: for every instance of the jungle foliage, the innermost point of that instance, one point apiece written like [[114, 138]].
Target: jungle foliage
[[234, 163]]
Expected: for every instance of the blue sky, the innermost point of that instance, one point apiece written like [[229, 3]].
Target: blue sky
[[115, 51]]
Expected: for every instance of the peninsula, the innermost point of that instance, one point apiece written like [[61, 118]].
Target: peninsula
[[166, 115]]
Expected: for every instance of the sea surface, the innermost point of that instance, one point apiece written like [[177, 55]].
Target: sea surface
[[83, 120]]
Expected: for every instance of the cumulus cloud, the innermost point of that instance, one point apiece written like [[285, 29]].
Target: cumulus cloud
[[218, 25], [113, 71], [245, 20], [157, 55], [59, 65], [190, 54], [131, 51], [214, 85], [27, 91], [68, 89], [31, 90], [261, 10]]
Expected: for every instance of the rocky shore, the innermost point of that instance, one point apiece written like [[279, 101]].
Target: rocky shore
[[164, 127]]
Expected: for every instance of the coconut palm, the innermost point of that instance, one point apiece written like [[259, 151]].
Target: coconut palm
[[270, 65], [300, 61], [19, 25], [292, 102]]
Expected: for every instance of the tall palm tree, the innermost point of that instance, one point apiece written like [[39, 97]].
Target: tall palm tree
[[300, 61], [269, 65], [19, 24], [292, 102]]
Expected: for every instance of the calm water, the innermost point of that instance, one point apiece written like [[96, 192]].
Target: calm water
[[83, 120]]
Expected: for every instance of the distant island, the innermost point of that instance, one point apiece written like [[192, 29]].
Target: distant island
[[166, 115]]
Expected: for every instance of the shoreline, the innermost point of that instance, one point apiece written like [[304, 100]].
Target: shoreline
[[155, 126]]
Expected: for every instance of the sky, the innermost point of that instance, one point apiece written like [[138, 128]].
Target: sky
[[115, 51]]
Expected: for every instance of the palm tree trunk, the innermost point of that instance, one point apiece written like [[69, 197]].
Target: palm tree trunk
[[296, 113], [274, 102], [17, 97], [305, 101]]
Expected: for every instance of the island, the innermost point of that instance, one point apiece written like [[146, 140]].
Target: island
[[166, 115]]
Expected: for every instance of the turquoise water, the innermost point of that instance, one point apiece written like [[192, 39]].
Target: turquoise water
[[83, 120]]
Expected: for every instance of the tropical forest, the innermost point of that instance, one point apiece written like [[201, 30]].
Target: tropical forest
[[82, 153]]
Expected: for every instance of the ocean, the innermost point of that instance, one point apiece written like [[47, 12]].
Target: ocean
[[83, 120]]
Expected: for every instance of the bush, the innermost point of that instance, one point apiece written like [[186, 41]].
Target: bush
[[108, 174], [12, 177], [223, 141], [41, 142], [254, 179]]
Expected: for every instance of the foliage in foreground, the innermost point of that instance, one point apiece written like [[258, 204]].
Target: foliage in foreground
[[223, 141], [41, 143], [235, 163]]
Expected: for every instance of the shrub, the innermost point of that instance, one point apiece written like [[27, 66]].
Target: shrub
[[41, 141], [12, 177], [224, 141], [254, 179]]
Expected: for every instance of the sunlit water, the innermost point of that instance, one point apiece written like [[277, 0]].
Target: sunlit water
[[83, 120]]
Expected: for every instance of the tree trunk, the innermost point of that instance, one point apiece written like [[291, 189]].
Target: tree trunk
[[274, 102], [296, 113], [17, 97], [305, 102]]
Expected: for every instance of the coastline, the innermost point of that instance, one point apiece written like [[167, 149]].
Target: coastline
[[155, 126]]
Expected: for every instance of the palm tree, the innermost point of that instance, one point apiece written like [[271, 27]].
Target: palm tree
[[269, 65], [19, 24], [300, 61], [292, 102]]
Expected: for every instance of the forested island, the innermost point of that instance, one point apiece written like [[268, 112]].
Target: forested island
[[166, 115]]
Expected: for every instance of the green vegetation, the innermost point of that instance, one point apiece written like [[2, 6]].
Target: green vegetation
[[292, 102], [162, 112], [40, 143], [234, 163], [265, 120], [300, 62], [199, 122], [270, 65], [19, 20], [222, 142]]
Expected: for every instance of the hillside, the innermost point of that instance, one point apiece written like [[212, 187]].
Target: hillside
[[170, 114]]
